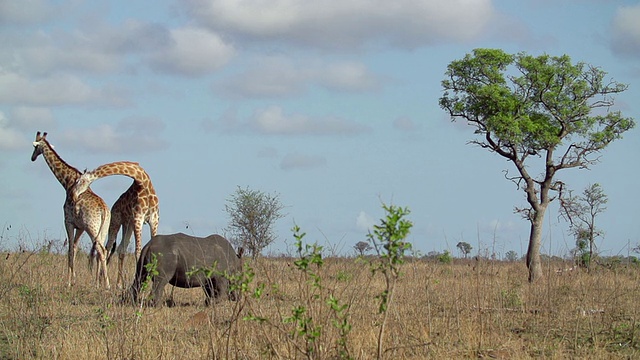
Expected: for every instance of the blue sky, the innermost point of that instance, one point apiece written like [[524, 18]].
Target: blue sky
[[333, 105]]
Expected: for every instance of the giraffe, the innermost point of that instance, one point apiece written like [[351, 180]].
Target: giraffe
[[85, 213], [121, 216], [137, 205]]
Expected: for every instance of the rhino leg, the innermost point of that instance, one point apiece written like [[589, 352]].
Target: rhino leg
[[157, 290], [234, 295], [131, 296], [222, 287], [209, 288]]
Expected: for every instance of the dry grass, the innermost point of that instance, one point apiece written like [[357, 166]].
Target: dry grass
[[467, 309]]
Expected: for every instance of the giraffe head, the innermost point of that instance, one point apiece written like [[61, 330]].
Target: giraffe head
[[38, 145], [82, 184]]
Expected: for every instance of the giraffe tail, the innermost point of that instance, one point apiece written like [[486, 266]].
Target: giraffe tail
[[111, 246], [92, 256], [114, 227], [110, 252], [106, 218]]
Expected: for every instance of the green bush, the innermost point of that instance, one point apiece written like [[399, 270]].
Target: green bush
[[445, 258]]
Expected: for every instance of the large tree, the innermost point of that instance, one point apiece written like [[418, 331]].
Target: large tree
[[542, 113]]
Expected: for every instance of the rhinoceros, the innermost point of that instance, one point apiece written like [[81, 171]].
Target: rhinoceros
[[187, 261]]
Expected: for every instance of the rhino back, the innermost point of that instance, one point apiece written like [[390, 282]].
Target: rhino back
[[186, 252], [233, 263]]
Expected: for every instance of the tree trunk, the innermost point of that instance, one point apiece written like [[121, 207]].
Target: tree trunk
[[591, 240], [534, 264]]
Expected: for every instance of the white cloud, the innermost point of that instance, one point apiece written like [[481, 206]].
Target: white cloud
[[60, 89], [50, 57], [270, 76], [134, 37], [364, 221], [193, 52], [300, 161], [24, 12], [277, 76], [626, 31], [130, 135], [95, 49], [104, 49], [11, 138], [29, 118], [346, 24], [273, 120], [348, 76], [267, 76]]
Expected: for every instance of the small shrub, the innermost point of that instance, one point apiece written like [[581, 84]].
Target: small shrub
[[510, 298], [445, 258]]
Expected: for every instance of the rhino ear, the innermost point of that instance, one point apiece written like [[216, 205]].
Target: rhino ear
[[240, 252]]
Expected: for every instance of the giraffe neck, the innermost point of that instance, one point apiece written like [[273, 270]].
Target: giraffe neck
[[126, 168], [65, 173]]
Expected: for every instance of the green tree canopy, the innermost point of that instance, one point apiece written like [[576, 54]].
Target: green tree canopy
[[525, 107], [252, 215]]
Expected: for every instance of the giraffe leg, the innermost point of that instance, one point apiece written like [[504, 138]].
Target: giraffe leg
[[73, 235], [153, 224], [75, 251], [102, 252], [98, 237], [99, 269], [70, 257], [122, 250], [102, 276], [138, 235], [121, 257]]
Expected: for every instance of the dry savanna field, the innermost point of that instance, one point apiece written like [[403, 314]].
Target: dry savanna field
[[465, 309]]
